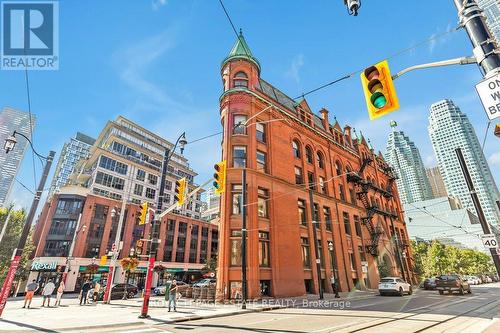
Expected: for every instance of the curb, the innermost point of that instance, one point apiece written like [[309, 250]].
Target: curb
[[227, 314], [79, 328]]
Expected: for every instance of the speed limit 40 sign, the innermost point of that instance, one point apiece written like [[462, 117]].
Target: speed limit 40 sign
[[489, 92], [489, 241]]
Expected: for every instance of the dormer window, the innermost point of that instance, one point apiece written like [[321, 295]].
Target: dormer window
[[240, 80]]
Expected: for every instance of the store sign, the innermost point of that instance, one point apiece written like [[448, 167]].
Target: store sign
[[44, 266]]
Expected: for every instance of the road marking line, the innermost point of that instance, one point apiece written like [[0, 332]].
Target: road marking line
[[264, 321]]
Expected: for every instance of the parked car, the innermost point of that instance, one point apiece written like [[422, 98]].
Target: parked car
[[451, 283], [181, 288], [429, 283], [472, 279], [204, 282], [394, 285], [118, 290]]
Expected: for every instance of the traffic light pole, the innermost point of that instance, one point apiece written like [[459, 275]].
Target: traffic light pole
[[477, 204], [16, 258], [316, 242], [244, 238]]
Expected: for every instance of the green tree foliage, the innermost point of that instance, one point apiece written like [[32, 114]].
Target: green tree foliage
[[210, 266], [434, 258], [10, 241]]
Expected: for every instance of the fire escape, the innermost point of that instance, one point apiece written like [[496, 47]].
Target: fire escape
[[362, 188]]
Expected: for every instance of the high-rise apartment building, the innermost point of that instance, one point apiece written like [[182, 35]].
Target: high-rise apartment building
[[12, 120], [491, 9], [404, 157], [436, 182], [449, 129], [73, 150]]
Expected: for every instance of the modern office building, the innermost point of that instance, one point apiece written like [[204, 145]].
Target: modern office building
[[73, 151], [286, 149], [449, 129], [443, 217], [402, 154], [436, 181], [211, 205], [491, 9], [12, 120]]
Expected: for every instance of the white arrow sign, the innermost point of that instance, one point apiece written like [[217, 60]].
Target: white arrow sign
[[489, 92], [489, 241]]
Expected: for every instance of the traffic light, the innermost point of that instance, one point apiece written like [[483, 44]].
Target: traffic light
[[180, 191], [138, 247], [144, 213], [380, 94], [497, 130], [220, 177]]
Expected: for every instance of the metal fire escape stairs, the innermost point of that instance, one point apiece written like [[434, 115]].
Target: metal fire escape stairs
[[362, 188]]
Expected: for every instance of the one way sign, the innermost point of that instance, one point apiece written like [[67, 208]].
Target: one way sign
[[489, 92]]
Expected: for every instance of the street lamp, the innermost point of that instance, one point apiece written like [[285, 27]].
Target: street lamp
[[334, 270], [10, 144]]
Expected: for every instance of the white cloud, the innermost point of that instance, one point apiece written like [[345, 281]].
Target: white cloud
[[494, 159], [294, 70], [438, 37], [156, 4]]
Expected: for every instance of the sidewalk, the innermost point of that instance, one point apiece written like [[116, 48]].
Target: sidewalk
[[71, 316]]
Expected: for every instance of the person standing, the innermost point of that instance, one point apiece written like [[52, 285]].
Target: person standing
[[60, 291], [97, 288], [47, 291], [172, 295], [29, 292], [85, 290]]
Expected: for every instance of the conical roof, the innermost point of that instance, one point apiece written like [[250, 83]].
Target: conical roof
[[241, 50]]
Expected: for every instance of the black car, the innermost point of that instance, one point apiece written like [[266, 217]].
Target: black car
[[430, 284], [118, 290]]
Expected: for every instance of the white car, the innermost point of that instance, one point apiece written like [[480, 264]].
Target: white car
[[473, 280], [394, 285]]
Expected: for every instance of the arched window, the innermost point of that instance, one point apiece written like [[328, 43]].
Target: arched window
[[240, 80], [296, 149], [309, 154], [348, 169], [321, 162], [338, 168]]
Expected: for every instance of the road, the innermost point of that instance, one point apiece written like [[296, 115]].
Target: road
[[424, 311]]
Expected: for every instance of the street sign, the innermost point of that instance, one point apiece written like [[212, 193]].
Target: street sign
[[489, 241], [489, 92]]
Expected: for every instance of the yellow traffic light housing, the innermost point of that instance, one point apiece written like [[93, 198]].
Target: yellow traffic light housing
[[180, 191], [220, 177], [497, 130], [144, 213], [380, 94]]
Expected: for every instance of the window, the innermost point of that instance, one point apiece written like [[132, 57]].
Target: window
[[109, 180], [141, 175], [150, 193], [298, 176], [236, 198], [296, 149], [328, 218], [322, 186], [138, 189], [262, 203], [302, 212], [357, 225], [352, 194], [152, 179], [239, 126], [316, 217], [240, 80], [338, 168], [306, 259], [235, 247], [351, 256], [341, 192], [309, 155], [110, 164], [261, 161], [310, 180], [347, 223], [263, 249], [239, 156], [321, 162], [260, 132]]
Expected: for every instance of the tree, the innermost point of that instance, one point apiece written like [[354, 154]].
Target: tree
[[210, 266]]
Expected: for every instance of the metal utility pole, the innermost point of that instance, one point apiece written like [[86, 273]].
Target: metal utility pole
[[480, 214], [244, 238], [6, 223], [485, 49], [72, 248], [316, 243], [398, 253], [16, 258]]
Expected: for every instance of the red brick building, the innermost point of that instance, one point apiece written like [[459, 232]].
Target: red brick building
[[186, 243], [284, 146]]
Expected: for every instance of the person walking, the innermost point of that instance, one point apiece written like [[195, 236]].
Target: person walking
[[97, 288], [60, 291], [29, 292], [172, 295], [47, 291], [85, 290]]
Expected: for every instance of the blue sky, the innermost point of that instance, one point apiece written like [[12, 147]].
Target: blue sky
[[157, 63]]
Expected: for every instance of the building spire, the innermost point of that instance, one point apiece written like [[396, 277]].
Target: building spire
[[241, 50]]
